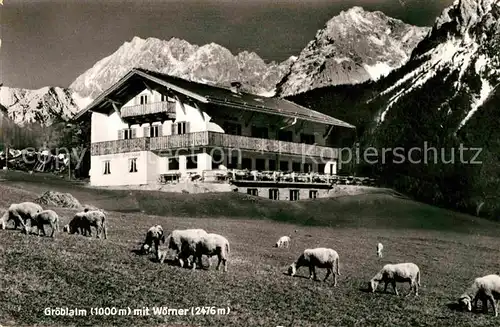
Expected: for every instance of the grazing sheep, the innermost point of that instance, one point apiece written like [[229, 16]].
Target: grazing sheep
[[46, 217], [283, 242], [318, 257], [484, 288], [20, 213], [155, 235], [380, 247], [209, 245], [82, 222], [401, 272], [178, 237]]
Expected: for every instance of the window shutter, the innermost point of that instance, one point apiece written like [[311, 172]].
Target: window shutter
[[134, 133], [187, 128], [174, 128], [160, 130], [147, 131], [120, 134]]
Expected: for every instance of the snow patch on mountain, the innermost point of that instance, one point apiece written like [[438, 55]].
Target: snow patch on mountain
[[380, 69]]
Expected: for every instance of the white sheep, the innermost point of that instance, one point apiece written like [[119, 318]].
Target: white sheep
[[154, 236], [401, 272], [20, 213], [485, 289], [318, 257], [46, 217], [178, 237], [82, 222], [283, 242], [380, 247], [209, 245]]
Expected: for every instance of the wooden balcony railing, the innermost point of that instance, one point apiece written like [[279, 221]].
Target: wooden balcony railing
[[148, 109], [119, 146], [198, 139]]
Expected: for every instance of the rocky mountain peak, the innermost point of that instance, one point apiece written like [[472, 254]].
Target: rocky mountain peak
[[352, 47]]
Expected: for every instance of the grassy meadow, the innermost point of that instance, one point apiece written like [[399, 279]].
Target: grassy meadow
[[73, 271]]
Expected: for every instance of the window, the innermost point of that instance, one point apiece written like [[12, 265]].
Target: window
[[285, 136], [308, 168], [307, 138], [313, 194], [252, 191], [155, 131], [233, 163], [217, 160], [232, 128], [132, 165], [127, 133], [294, 195], [274, 194], [173, 164], [107, 170], [246, 163], [296, 167], [260, 132], [321, 168], [181, 127], [191, 162], [272, 164], [260, 164], [284, 166], [143, 99], [164, 98]]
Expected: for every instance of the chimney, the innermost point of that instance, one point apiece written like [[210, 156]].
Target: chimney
[[235, 87]]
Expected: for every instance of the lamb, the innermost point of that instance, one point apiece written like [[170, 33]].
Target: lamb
[[484, 288], [46, 217], [209, 245], [380, 247], [283, 242], [155, 235], [318, 257], [401, 272], [82, 222], [20, 213], [178, 237]]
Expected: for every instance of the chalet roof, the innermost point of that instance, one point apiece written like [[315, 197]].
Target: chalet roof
[[137, 79]]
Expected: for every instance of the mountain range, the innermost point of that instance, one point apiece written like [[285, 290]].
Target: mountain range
[[353, 47], [446, 96]]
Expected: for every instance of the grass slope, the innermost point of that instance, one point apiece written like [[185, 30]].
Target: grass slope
[[78, 272]]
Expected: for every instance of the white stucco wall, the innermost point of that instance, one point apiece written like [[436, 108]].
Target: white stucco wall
[[119, 168]]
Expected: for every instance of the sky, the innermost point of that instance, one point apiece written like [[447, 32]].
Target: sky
[[52, 42]]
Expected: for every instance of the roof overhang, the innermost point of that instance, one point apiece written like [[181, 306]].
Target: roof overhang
[[138, 79]]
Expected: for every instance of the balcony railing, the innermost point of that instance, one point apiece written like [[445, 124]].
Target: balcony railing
[[148, 109], [119, 146], [199, 139], [172, 142]]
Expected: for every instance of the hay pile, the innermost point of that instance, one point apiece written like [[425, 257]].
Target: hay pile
[[56, 199]]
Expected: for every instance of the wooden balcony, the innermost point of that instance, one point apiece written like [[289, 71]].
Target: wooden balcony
[[214, 139], [119, 146], [143, 113]]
